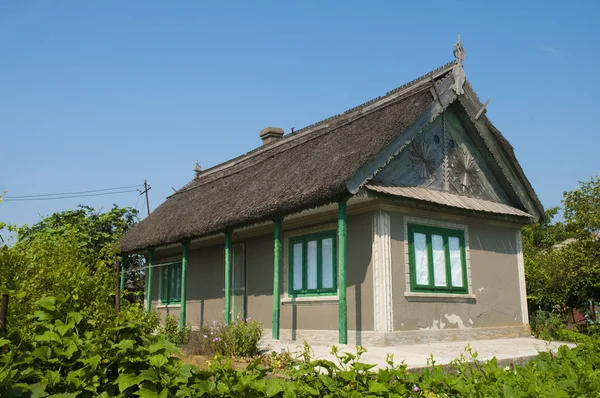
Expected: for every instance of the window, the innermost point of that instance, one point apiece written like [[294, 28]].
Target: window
[[170, 289], [312, 267], [437, 260]]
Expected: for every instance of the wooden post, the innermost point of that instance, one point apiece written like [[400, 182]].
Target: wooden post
[[117, 288], [342, 305], [3, 311], [276, 277], [184, 261], [228, 258], [149, 282]]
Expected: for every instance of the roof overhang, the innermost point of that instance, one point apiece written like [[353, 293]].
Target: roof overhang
[[429, 198]]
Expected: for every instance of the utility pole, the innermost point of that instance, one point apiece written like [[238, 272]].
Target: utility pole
[[147, 187]]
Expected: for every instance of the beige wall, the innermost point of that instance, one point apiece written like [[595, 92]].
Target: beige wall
[[494, 276], [206, 282], [359, 294], [492, 261]]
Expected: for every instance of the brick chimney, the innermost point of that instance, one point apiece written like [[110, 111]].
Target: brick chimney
[[270, 134]]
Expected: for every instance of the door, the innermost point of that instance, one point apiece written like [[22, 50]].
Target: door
[[238, 289]]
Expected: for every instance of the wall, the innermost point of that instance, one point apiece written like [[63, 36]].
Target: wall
[[495, 290], [359, 294], [206, 280]]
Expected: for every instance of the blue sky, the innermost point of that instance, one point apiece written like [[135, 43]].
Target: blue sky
[[105, 94]]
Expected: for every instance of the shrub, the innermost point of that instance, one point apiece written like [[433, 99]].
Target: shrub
[[546, 325], [240, 339], [173, 332], [63, 354]]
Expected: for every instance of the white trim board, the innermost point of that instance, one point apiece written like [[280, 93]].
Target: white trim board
[[522, 285], [382, 273]]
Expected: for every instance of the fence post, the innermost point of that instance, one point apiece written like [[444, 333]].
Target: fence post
[[3, 311]]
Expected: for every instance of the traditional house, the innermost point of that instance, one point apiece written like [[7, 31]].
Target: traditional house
[[396, 221]]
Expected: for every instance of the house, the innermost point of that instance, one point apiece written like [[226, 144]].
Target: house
[[396, 221]]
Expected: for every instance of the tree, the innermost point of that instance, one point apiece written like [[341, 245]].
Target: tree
[[70, 254], [562, 259]]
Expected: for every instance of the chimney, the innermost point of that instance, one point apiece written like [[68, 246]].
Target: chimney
[[270, 134]]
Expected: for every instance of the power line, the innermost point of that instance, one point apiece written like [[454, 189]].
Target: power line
[[72, 193], [14, 199]]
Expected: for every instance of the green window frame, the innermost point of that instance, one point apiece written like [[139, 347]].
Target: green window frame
[[443, 272], [170, 283], [302, 280]]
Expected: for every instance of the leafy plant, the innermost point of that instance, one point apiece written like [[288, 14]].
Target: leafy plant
[[173, 332], [240, 339]]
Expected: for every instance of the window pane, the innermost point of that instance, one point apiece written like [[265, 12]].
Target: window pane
[[439, 260], [420, 244], [311, 265], [455, 261], [164, 294], [327, 263], [297, 267], [177, 293]]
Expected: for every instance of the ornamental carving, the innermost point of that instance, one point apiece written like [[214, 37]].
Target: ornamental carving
[[465, 170], [422, 158], [458, 71]]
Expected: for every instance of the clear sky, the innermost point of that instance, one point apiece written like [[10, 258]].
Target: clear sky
[[101, 94]]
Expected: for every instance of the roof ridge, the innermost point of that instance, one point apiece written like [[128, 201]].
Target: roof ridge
[[372, 101], [300, 132]]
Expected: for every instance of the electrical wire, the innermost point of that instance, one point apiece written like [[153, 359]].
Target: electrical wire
[[72, 193], [14, 199]]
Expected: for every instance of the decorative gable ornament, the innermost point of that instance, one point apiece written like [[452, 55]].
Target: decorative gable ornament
[[458, 71], [465, 170], [421, 156]]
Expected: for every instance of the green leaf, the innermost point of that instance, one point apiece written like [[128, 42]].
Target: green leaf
[[47, 303], [48, 336], [65, 395], [146, 393], [124, 345], [42, 353], [126, 380], [38, 390], [92, 362], [274, 387], [375, 387], [204, 386], [158, 361], [148, 375], [42, 315], [4, 342]]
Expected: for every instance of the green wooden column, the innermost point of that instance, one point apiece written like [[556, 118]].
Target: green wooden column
[[149, 281], [184, 261], [228, 258], [342, 305], [123, 271], [276, 277]]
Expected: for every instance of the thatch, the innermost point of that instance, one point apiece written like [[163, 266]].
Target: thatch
[[302, 170]]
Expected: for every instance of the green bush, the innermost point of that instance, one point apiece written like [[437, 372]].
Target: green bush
[[239, 339], [62, 354], [173, 332], [546, 325]]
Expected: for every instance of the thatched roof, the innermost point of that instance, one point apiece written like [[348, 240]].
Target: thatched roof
[[305, 169]]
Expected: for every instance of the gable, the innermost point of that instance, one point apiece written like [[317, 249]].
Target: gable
[[447, 156]]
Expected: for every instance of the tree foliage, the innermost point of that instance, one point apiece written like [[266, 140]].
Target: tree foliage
[[69, 254], [562, 258]]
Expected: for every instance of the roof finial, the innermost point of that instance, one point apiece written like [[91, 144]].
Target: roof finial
[[197, 170], [457, 70], [459, 52]]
